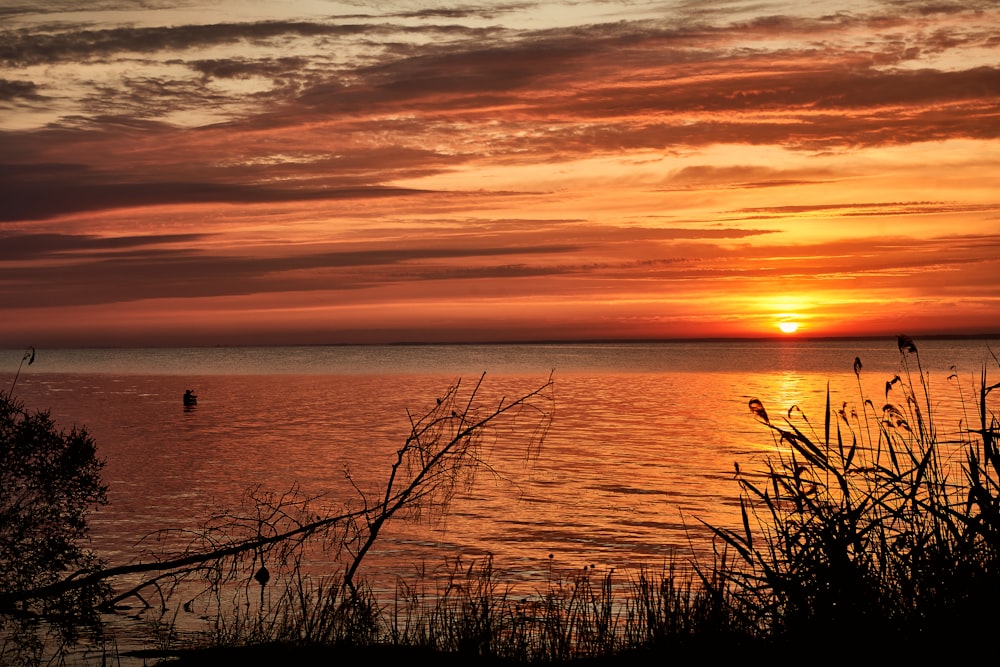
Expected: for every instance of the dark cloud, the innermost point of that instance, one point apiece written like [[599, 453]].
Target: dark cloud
[[872, 208], [23, 47], [745, 177], [233, 68], [41, 246], [38, 201], [935, 7], [37, 191], [36, 9], [487, 11], [10, 90], [96, 278]]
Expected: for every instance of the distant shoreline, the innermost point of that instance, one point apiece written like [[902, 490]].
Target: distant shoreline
[[542, 341]]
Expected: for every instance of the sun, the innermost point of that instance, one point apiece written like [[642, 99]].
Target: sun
[[788, 327]]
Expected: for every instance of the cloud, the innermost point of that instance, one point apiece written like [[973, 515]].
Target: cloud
[[39, 201], [20, 48], [869, 209], [21, 247], [122, 269], [484, 11], [746, 177], [13, 89], [240, 68], [38, 191]]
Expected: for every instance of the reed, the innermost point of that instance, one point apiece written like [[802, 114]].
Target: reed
[[579, 613], [874, 525]]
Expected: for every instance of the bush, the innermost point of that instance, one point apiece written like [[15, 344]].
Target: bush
[[50, 480]]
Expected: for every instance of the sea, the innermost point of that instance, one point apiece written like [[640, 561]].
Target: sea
[[637, 463]]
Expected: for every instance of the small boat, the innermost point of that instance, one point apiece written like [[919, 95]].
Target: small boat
[[190, 399]]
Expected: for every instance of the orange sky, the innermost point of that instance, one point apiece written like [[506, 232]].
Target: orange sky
[[323, 171]]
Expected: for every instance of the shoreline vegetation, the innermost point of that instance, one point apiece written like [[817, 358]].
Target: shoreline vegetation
[[865, 533]]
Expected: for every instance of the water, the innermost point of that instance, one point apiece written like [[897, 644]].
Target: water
[[641, 451]]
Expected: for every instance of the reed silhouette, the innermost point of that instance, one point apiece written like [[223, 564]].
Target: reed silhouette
[[874, 525]]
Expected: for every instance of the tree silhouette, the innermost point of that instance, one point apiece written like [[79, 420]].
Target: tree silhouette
[[50, 480]]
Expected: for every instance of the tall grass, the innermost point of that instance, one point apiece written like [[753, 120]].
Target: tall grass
[[873, 525], [581, 613]]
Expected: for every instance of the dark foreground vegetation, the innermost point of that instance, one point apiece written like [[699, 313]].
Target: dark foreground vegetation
[[866, 535]]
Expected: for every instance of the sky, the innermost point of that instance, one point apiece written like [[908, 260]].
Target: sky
[[301, 172]]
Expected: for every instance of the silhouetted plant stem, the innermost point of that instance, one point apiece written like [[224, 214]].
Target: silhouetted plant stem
[[29, 356]]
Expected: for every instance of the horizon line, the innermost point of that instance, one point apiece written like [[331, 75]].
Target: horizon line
[[547, 341]]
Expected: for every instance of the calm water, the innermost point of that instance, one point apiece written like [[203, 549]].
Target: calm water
[[641, 448]]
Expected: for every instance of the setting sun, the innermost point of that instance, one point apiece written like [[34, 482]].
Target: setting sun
[[788, 327]]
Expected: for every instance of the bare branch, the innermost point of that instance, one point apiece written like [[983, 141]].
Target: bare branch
[[443, 450]]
